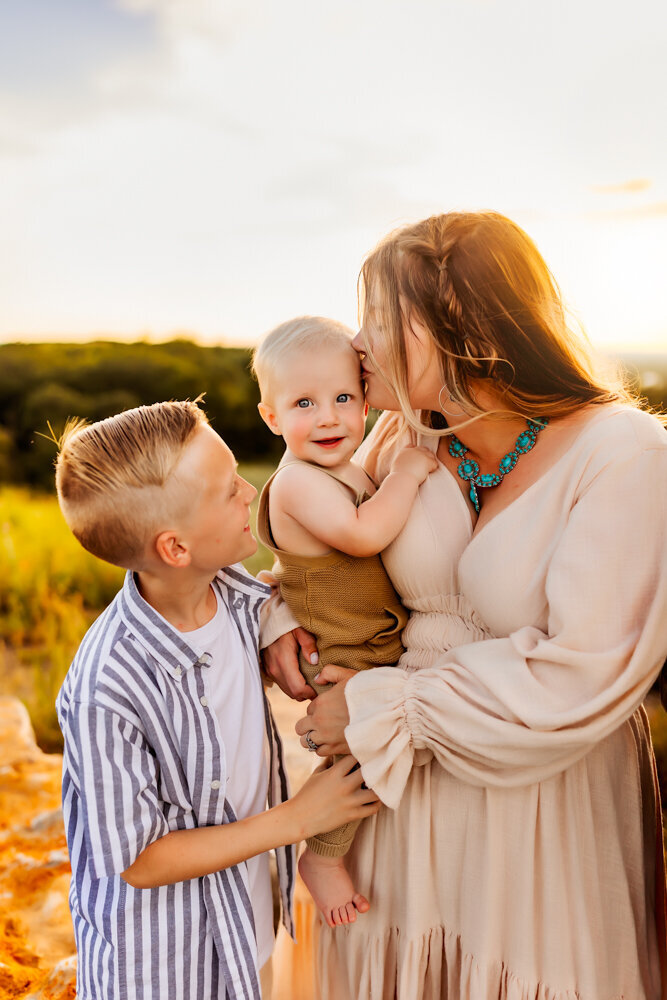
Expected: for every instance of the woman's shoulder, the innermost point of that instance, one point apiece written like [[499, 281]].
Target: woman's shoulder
[[615, 435], [624, 430]]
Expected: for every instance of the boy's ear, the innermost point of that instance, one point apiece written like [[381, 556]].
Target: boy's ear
[[171, 550], [269, 417]]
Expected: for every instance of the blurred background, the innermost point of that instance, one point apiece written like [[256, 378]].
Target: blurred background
[[177, 176]]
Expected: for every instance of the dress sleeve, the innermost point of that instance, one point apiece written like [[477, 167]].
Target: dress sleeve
[[517, 710], [275, 618], [118, 787]]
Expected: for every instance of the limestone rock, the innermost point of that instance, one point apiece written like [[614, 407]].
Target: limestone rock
[[36, 940]]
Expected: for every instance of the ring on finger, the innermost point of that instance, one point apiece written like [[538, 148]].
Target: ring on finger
[[309, 742]]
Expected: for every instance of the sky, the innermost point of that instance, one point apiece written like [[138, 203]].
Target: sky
[[214, 167]]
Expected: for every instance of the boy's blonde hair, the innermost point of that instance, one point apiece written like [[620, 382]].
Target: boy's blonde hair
[[300, 334], [113, 477]]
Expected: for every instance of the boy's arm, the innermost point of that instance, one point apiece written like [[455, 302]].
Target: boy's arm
[[331, 797], [318, 505]]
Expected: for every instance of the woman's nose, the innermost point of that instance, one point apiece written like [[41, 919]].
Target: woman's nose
[[358, 342]]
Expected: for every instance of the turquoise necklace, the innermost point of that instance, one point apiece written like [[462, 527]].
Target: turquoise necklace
[[469, 469]]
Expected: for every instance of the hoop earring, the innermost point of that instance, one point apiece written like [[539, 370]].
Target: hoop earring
[[442, 409]]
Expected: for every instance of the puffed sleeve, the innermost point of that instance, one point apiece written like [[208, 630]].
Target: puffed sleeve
[[519, 709], [275, 618], [118, 787]]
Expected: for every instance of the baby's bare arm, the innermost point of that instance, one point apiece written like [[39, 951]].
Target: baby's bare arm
[[319, 505]]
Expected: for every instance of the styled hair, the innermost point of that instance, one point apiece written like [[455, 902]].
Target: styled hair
[[492, 308], [113, 477], [300, 334]]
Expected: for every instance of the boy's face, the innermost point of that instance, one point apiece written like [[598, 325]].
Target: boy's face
[[318, 405], [216, 530]]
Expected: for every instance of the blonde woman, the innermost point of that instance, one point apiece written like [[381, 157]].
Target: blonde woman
[[519, 855]]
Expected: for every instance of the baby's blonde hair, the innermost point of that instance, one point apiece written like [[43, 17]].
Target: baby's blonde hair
[[300, 334], [113, 477]]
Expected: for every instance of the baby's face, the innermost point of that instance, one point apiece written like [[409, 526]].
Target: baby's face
[[318, 405]]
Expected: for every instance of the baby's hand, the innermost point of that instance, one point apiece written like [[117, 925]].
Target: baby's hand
[[414, 461]]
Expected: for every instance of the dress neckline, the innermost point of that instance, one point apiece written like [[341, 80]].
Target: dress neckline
[[476, 531]]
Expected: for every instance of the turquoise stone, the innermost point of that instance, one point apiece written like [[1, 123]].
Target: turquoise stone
[[469, 469]]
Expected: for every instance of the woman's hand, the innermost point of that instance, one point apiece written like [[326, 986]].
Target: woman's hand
[[281, 662], [328, 714], [331, 797]]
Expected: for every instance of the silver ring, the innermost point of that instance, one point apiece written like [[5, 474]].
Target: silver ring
[[309, 743]]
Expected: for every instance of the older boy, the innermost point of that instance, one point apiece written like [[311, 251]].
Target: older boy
[[163, 715]]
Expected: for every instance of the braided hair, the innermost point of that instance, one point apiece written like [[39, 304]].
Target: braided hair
[[478, 284]]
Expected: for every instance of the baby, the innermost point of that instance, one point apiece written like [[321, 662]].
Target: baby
[[326, 522]]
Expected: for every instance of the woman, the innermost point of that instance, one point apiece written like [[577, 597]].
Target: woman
[[520, 856]]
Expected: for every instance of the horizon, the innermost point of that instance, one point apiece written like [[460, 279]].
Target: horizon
[[619, 352]]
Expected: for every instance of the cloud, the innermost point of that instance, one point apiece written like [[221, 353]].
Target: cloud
[[655, 210], [626, 187]]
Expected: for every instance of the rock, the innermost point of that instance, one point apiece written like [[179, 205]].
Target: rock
[[37, 952]]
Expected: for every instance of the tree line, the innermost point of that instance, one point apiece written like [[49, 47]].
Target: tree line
[[45, 383]]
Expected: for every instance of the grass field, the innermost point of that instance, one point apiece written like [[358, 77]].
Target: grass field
[[51, 590]]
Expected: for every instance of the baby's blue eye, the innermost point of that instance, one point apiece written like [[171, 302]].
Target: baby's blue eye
[[303, 403], [344, 397]]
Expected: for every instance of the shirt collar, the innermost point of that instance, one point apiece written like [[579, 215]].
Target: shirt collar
[[159, 637], [161, 640]]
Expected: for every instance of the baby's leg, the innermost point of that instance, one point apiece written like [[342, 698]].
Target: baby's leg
[[330, 885], [322, 863]]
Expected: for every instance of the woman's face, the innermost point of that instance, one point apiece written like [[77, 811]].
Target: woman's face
[[371, 336], [423, 368]]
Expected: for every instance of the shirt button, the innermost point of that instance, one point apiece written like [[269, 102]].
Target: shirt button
[[205, 659], [203, 701], [178, 671], [215, 783]]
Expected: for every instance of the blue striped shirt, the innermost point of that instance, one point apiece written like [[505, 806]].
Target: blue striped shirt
[[143, 756]]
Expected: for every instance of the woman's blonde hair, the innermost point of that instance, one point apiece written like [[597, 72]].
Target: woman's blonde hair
[[113, 477], [480, 287]]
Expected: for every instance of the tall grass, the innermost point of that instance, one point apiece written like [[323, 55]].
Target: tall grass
[[50, 591]]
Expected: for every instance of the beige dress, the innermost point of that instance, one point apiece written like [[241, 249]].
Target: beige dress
[[518, 855]]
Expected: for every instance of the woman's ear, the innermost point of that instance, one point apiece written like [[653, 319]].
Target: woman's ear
[[269, 417], [171, 550]]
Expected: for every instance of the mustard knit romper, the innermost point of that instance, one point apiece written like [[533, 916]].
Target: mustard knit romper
[[350, 606]]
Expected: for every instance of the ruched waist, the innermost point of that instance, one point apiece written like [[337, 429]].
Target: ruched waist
[[441, 623]]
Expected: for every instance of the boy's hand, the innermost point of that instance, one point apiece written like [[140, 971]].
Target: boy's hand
[[333, 796], [281, 662], [414, 461]]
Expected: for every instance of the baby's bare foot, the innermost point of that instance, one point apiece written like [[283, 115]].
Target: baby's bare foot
[[331, 887]]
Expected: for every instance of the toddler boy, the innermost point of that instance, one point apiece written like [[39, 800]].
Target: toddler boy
[[170, 746]]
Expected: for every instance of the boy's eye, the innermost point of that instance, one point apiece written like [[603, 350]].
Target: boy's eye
[[303, 403], [344, 397]]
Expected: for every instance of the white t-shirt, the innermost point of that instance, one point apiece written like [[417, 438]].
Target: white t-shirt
[[234, 692]]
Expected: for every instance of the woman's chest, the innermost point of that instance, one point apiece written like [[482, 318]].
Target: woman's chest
[[501, 566]]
